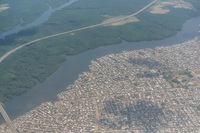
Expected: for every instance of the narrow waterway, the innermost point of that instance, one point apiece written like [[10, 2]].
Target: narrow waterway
[[69, 70], [43, 18]]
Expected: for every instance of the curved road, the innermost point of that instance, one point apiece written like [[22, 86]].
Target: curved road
[[67, 32]]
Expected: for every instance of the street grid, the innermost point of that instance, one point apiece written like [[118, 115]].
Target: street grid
[[112, 98]]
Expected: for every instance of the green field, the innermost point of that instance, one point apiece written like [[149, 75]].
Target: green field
[[34, 63]]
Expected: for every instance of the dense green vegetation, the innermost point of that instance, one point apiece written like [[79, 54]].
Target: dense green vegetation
[[36, 62], [24, 11], [80, 14], [30, 67]]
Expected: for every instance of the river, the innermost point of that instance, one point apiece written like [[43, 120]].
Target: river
[[69, 70], [43, 18]]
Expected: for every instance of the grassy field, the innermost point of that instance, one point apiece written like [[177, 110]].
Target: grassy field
[[34, 63]]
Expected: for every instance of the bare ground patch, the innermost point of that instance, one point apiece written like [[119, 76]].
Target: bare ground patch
[[4, 7], [120, 20], [158, 9]]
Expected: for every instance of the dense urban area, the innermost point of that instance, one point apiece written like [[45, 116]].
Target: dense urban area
[[141, 91], [148, 90], [90, 23]]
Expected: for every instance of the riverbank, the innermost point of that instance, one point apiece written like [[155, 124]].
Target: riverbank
[[22, 12], [68, 71], [40, 20], [129, 91], [38, 61]]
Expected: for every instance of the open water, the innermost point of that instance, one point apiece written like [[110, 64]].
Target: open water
[[43, 18], [69, 70]]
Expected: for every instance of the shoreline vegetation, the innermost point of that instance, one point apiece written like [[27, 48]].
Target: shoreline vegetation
[[146, 90], [21, 12], [34, 63]]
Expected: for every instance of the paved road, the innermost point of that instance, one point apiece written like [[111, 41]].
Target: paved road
[[97, 115], [67, 32], [7, 119], [4, 114]]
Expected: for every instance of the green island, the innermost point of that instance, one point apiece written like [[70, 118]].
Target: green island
[[34, 63]]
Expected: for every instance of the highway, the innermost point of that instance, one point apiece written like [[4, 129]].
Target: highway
[[67, 32], [2, 111], [97, 115], [7, 119]]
